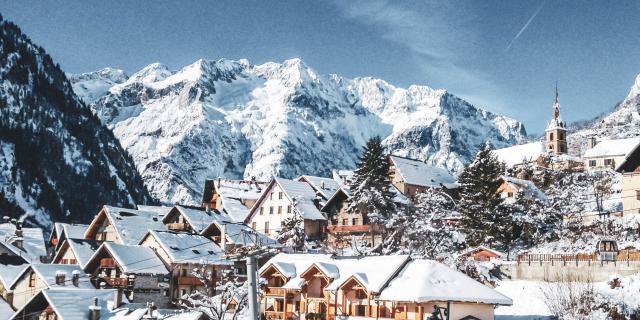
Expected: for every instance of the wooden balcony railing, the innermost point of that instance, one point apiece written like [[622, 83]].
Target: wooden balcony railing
[[177, 226], [280, 315], [107, 263], [116, 282], [189, 281], [274, 291]]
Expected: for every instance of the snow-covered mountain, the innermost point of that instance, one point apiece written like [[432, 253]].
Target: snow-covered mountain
[[57, 161], [234, 119], [623, 121]]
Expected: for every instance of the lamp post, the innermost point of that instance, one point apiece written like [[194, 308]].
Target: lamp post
[[441, 313]]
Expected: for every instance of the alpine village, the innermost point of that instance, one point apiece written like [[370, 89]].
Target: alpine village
[[549, 222]]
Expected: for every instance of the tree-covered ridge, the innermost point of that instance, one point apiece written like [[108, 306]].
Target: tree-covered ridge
[[57, 161]]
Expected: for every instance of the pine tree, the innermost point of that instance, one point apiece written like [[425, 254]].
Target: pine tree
[[370, 193], [484, 218]]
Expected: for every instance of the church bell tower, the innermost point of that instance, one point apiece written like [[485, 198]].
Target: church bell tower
[[556, 132]]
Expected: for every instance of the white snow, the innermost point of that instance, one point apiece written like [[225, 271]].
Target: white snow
[[518, 154], [133, 259], [528, 300], [190, 248], [612, 148], [428, 280], [419, 173]]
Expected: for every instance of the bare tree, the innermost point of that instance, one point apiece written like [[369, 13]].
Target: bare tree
[[224, 300], [570, 296]]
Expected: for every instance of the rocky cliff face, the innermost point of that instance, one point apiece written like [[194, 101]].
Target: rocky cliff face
[[622, 121], [57, 161], [234, 119]]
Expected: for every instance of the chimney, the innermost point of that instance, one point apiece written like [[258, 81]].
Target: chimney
[[322, 185], [60, 277], [94, 310], [591, 142], [117, 298], [316, 200], [18, 236], [223, 237], [75, 278], [5, 219]]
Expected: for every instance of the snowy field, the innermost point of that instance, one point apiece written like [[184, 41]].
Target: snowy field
[[528, 301]]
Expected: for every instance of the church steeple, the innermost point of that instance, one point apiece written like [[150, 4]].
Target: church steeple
[[556, 132]]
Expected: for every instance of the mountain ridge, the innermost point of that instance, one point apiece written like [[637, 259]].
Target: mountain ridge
[[238, 120]]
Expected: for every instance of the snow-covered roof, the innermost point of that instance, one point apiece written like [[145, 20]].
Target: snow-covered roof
[[325, 186], [33, 246], [82, 249], [240, 234], [5, 310], [73, 304], [527, 187], [189, 248], [160, 210], [418, 173], [47, 273], [518, 154], [428, 280], [9, 270], [239, 189], [343, 177], [612, 148], [234, 208], [69, 231], [479, 248], [300, 193], [131, 224], [199, 219], [372, 271], [134, 259]]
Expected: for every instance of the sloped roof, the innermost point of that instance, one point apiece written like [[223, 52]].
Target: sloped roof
[[518, 154], [325, 186], [235, 209], [83, 249], [160, 210], [133, 259], [10, 271], [527, 187], [428, 280], [189, 248], [237, 232], [33, 246], [419, 173], [199, 219], [631, 161], [373, 272], [303, 196], [5, 310], [612, 148], [131, 224], [72, 304], [47, 273]]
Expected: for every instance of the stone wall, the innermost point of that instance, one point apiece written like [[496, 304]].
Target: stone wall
[[552, 270]]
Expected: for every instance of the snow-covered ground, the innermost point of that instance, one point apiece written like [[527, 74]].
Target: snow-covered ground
[[528, 301]]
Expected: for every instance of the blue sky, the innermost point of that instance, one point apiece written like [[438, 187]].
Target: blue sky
[[467, 47]]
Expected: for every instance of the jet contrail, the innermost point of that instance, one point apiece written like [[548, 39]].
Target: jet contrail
[[526, 25]]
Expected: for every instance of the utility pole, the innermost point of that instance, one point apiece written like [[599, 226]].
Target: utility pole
[[252, 276]]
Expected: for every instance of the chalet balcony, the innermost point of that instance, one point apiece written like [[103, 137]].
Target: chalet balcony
[[275, 291], [178, 226], [280, 315], [116, 282], [189, 281], [107, 263], [358, 228]]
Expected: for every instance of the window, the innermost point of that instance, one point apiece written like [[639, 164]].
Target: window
[[551, 136], [184, 272], [183, 292], [253, 225], [289, 209], [280, 195], [32, 280], [360, 294], [637, 194], [510, 194], [608, 162], [261, 210], [355, 221], [345, 222], [270, 210], [266, 227], [592, 163], [279, 209], [271, 196]]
